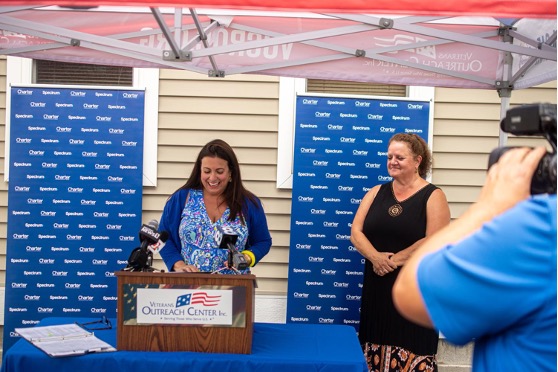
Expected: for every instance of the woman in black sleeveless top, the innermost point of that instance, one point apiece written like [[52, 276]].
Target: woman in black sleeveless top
[[391, 222]]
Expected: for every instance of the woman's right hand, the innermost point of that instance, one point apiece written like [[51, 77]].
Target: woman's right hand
[[182, 267], [382, 264]]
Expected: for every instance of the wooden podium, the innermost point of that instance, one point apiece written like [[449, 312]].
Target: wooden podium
[[235, 338]]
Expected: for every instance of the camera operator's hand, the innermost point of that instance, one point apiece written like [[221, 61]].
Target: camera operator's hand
[[509, 180]]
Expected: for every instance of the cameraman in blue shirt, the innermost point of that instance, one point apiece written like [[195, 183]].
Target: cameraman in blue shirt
[[490, 276]]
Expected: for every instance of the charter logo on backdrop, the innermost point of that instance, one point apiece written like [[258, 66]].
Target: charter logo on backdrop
[[184, 306]]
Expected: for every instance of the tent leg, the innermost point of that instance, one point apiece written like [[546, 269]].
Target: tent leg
[[505, 88], [504, 106]]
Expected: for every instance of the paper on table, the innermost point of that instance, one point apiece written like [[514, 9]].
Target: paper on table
[[64, 340]]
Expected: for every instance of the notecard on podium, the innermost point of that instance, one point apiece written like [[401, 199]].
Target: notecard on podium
[[64, 340]]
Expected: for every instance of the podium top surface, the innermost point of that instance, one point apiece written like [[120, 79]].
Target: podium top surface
[[183, 276]]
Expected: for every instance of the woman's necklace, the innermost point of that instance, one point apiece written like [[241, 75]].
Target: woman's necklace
[[396, 209]]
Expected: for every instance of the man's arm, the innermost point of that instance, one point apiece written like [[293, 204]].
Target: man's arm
[[508, 182]]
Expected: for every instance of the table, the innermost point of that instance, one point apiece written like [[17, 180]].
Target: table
[[275, 347]]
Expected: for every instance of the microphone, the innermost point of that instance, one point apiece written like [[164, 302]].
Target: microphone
[[157, 247], [226, 238], [148, 235]]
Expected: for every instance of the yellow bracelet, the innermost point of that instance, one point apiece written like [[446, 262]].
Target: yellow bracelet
[[252, 257]]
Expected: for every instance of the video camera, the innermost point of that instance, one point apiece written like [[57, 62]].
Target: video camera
[[533, 120]]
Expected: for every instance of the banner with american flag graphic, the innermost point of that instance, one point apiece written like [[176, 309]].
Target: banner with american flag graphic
[[184, 306], [198, 297]]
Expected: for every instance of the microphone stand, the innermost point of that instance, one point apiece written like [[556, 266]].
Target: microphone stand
[[147, 267], [142, 266], [229, 264]]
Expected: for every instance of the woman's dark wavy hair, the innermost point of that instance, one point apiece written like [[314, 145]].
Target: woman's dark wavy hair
[[418, 146], [235, 194]]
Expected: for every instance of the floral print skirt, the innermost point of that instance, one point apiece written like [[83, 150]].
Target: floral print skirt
[[386, 358]]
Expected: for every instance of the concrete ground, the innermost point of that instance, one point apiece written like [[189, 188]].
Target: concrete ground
[[453, 358]]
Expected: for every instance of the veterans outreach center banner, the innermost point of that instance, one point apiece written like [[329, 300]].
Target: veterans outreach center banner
[[340, 152], [74, 200]]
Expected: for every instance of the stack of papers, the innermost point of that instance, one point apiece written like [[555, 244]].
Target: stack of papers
[[64, 340]]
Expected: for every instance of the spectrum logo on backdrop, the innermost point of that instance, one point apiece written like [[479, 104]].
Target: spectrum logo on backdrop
[[183, 306], [339, 154]]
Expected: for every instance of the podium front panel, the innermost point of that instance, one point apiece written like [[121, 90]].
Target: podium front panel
[[185, 312]]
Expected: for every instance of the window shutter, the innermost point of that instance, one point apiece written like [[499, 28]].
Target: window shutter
[[63, 73], [350, 87]]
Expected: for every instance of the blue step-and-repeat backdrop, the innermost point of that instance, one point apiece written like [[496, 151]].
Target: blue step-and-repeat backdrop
[[340, 152], [74, 200]]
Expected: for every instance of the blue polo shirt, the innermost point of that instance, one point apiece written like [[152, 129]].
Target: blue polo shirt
[[497, 287]]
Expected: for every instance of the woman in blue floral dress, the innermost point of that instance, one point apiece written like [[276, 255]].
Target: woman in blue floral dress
[[213, 198]]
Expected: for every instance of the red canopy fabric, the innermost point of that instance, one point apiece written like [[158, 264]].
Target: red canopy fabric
[[429, 50], [493, 8], [465, 52]]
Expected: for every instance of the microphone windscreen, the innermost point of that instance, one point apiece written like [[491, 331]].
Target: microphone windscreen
[[148, 232], [154, 224], [164, 236]]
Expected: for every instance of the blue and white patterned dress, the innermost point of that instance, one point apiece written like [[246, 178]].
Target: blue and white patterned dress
[[197, 235]]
